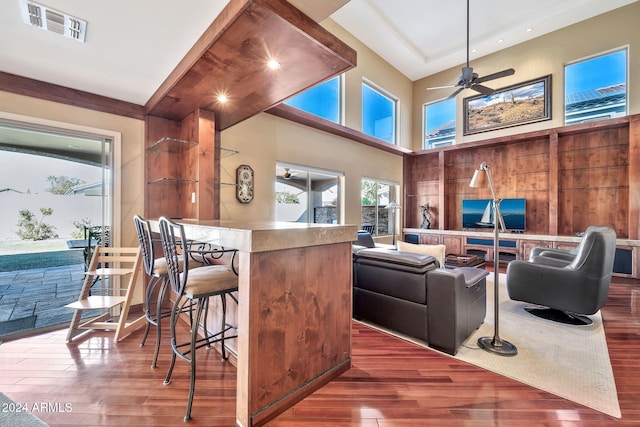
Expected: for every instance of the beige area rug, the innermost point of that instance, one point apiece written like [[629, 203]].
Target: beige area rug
[[569, 361]]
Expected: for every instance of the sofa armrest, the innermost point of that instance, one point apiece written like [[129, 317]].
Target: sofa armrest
[[456, 306]]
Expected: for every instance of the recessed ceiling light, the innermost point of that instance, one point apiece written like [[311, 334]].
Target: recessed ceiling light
[[474, 50], [222, 98], [529, 29], [273, 64], [501, 40]]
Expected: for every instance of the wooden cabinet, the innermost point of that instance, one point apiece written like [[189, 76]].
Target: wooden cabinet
[[430, 239], [527, 245], [453, 244]]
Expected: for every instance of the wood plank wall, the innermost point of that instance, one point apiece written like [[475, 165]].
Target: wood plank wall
[[571, 177]]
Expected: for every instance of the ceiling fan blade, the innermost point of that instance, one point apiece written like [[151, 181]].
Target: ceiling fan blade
[[498, 75], [483, 89], [440, 87], [453, 95]]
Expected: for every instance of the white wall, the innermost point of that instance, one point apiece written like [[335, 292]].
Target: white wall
[[66, 209]]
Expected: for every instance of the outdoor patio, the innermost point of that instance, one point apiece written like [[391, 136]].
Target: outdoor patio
[[35, 297]]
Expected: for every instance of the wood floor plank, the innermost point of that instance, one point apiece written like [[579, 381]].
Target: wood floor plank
[[392, 383]]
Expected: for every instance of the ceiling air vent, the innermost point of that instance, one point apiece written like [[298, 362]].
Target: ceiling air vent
[[49, 19]]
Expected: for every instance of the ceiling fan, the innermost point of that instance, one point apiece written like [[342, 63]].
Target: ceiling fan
[[471, 80]]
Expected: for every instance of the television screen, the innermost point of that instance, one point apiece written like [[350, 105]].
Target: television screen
[[478, 213]]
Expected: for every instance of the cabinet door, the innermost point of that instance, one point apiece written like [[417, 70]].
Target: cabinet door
[[429, 239], [453, 244], [527, 245]]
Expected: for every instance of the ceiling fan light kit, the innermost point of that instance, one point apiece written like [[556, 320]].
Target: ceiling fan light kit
[[470, 80]]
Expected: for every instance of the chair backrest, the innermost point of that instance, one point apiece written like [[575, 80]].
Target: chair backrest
[[172, 235], [143, 228], [587, 232], [365, 239], [596, 253]]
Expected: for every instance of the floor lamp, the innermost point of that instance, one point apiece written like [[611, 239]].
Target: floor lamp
[[482, 178]]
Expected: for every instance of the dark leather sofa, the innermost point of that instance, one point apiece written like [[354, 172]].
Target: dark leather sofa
[[408, 293]]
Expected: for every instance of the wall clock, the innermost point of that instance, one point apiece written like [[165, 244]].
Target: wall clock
[[244, 184]]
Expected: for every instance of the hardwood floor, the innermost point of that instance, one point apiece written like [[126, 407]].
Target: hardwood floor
[[96, 382]]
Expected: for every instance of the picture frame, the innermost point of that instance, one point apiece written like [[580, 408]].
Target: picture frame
[[515, 105]]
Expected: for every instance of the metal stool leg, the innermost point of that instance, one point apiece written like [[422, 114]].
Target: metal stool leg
[[159, 302]]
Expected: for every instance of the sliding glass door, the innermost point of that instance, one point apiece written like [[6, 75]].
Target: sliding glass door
[[54, 184]]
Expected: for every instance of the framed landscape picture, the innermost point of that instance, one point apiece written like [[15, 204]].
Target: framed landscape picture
[[519, 104]]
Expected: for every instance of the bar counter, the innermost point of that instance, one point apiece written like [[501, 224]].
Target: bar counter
[[294, 309]]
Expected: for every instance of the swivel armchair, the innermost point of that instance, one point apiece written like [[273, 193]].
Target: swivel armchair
[[567, 292], [558, 257]]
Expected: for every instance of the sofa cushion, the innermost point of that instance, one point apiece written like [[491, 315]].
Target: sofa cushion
[[398, 260], [434, 250]]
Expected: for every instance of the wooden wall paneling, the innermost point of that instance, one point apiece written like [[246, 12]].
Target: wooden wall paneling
[[531, 182], [442, 219], [422, 178], [571, 177], [634, 179], [552, 192], [208, 163], [593, 167]]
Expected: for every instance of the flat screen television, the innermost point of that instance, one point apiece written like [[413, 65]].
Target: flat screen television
[[478, 213]]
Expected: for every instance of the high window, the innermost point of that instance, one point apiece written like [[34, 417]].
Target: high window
[[376, 196], [323, 100], [378, 113], [596, 88], [440, 123], [307, 195]]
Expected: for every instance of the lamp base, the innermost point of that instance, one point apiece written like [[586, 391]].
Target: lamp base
[[497, 346]]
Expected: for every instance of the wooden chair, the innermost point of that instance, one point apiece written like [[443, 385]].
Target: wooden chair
[[114, 271]]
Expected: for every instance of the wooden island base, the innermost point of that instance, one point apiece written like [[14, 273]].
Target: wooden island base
[[293, 313]]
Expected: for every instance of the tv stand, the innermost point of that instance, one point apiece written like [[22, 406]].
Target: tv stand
[[514, 246]]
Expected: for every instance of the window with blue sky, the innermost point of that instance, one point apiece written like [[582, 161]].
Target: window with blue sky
[[323, 100], [378, 114], [440, 123], [596, 88]]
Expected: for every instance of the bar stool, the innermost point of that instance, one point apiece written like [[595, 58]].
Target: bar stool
[[156, 269], [194, 285]]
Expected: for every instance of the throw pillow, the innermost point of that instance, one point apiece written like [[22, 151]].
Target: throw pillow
[[436, 251]]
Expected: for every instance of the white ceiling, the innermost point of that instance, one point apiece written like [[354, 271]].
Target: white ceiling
[[132, 46]]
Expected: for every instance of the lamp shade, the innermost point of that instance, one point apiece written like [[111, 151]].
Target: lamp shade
[[479, 179]]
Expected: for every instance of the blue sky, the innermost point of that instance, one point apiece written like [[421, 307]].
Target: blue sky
[[596, 73]]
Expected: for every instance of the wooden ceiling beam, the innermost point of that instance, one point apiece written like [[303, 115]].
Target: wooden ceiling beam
[[231, 58]]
